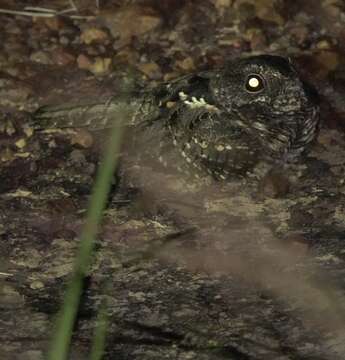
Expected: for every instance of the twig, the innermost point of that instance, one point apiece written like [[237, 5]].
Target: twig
[[6, 274], [33, 11], [27, 13], [74, 7], [45, 14], [41, 9]]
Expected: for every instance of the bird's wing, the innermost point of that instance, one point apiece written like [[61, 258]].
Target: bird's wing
[[139, 105]]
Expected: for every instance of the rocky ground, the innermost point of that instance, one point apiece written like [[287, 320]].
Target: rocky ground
[[217, 271]]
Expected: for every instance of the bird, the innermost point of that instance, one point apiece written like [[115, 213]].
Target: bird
[[221, 122]]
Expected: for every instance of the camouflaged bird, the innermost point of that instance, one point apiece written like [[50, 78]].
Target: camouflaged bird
[[223, 122]]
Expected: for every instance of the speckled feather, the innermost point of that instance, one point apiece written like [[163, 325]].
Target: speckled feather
[[211, 119]]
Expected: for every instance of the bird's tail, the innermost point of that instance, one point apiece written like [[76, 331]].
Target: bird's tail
[[95, 116]]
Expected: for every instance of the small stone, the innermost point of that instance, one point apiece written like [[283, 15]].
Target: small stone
[[186, 64], [170, 76], [64, 40], [170, 104], [138, 296], [83, 138], [63, 57], [329, 138], [220, 147], [300, 34], [256, 38], [77, 157], [99, 66], [151, 70], [333, 11], [35, 285], [333, 8], [54, 23], [41, 57], [129, 22], [21, 143], [92, 35], [10, 129], [203, 144], [126, 56], [245, 10], [84, 62], [92, 51], [264, 10], [28, 131], [323, 45], [222, 5], [328, 61], [10, 297], [6, 155], [23, 155], [52, 144]]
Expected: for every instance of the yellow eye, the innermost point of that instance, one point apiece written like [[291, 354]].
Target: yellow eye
[[254, 83]]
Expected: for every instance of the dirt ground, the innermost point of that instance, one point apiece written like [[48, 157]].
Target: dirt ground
[[192, 271]]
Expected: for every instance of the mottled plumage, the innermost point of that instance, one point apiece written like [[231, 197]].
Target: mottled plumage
[[222, 121]]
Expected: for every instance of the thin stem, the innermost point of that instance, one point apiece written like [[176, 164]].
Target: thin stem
[[66, 318]]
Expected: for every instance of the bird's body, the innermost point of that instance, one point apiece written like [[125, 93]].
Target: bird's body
[[223, 122]]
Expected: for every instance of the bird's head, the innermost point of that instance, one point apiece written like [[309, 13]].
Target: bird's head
[[268, 99]]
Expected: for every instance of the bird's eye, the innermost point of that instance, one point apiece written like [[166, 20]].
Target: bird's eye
[[254, 83]]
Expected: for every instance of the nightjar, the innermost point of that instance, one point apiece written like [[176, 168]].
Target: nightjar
[[223, 122]]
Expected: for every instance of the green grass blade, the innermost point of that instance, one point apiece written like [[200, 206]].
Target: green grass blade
[[65, 321], [98, 343]]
